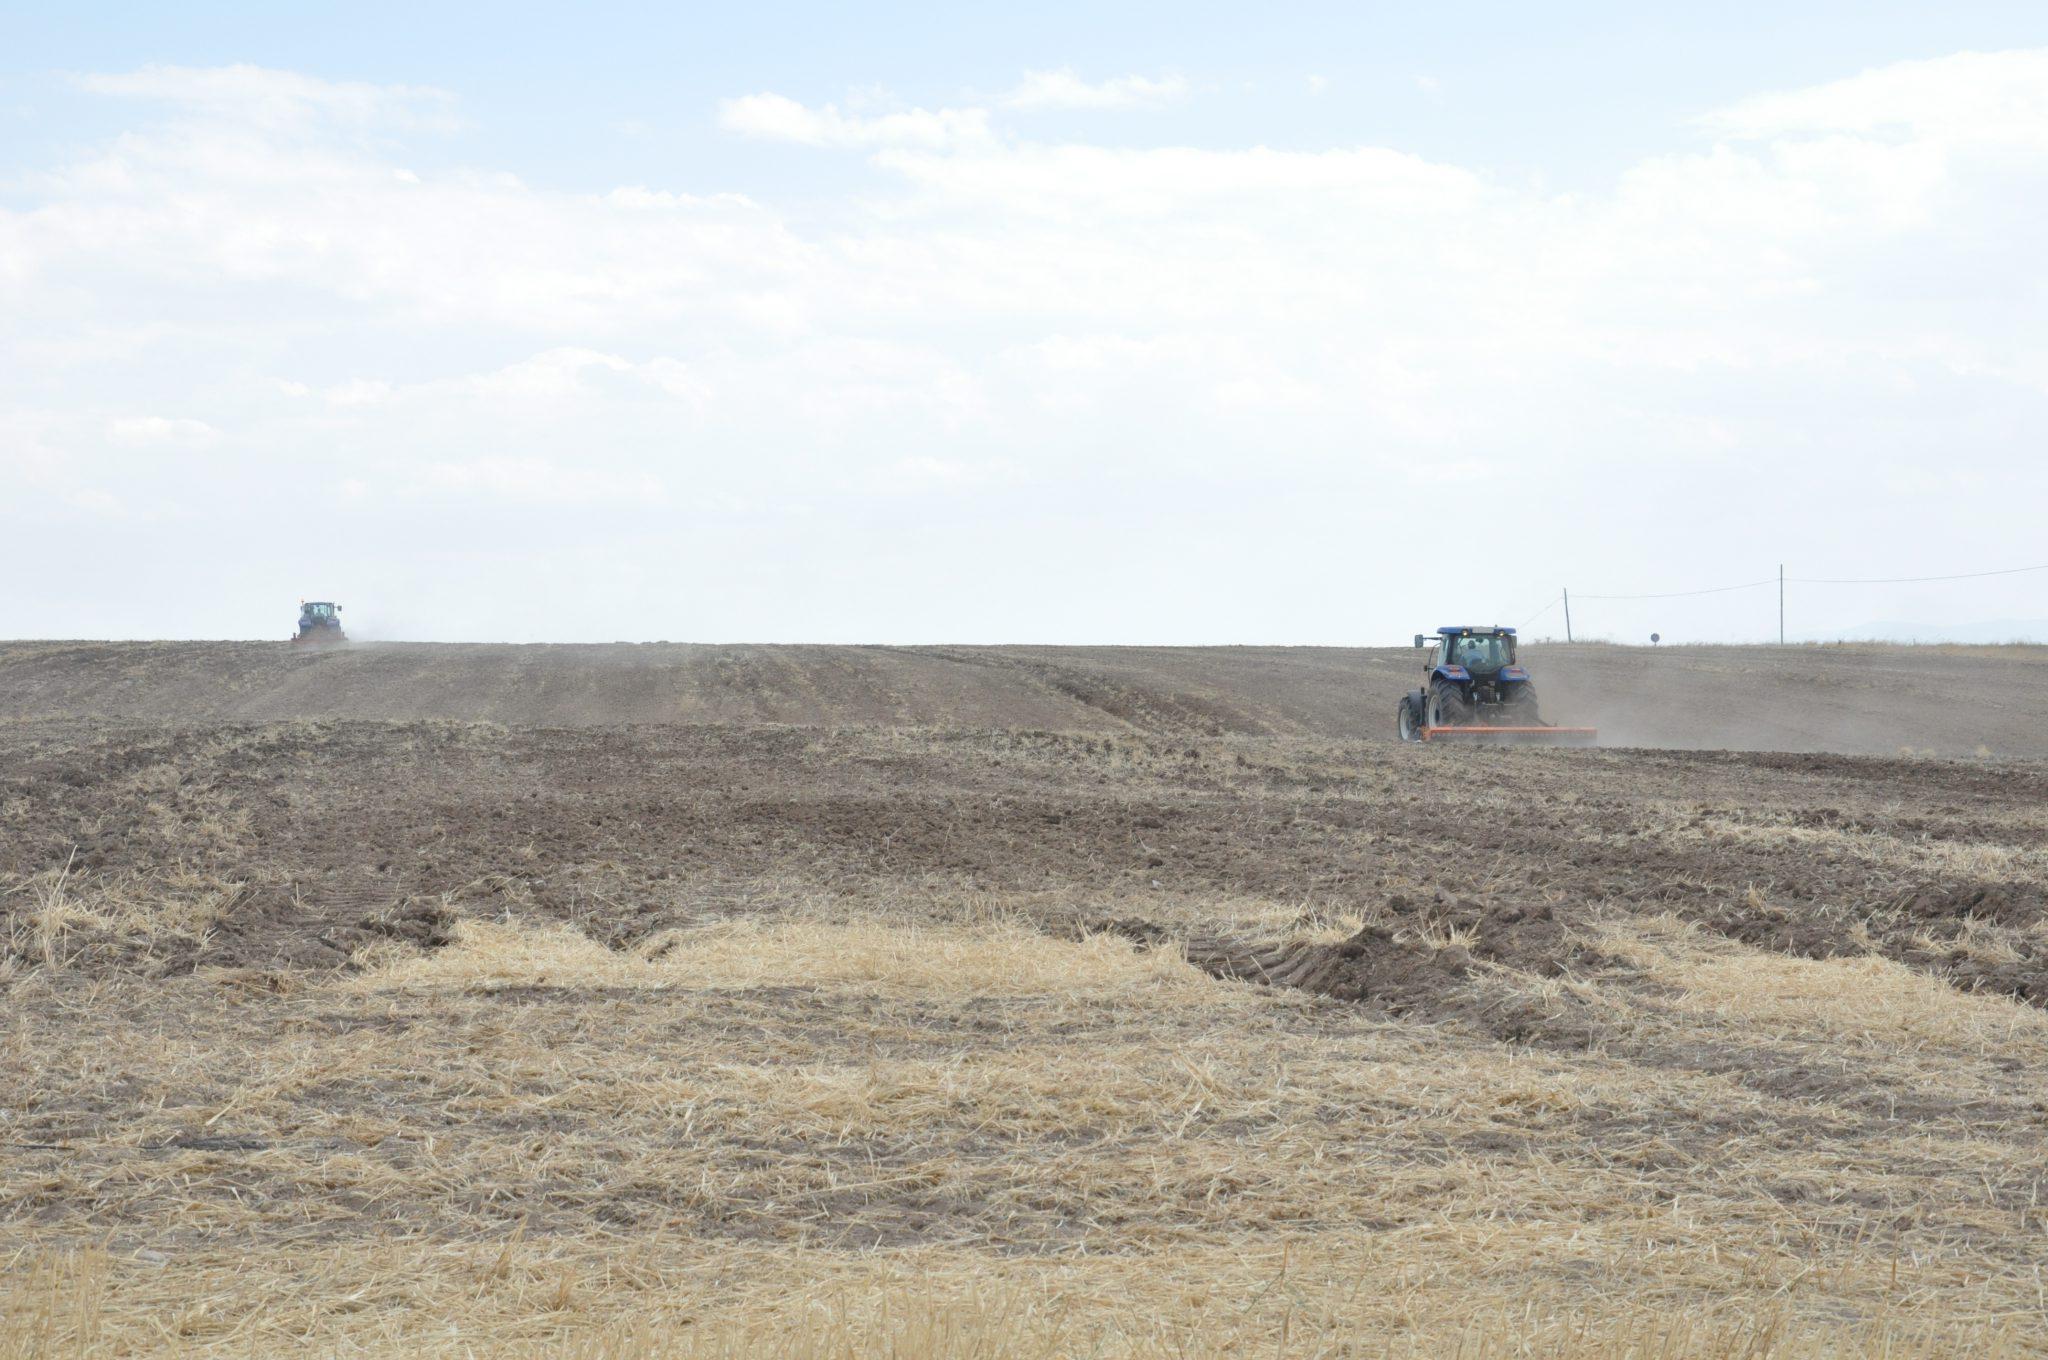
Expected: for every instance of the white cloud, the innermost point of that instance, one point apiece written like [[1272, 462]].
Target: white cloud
[[1455, 472], [922, 472], [273, 98], [1062, 89], [148, 430], [1260, 183], [215, 204], [1120, 341], [1318, 84], [552, 377], [531, 481], [773, 117], [41, 472], [355, 392], [94, 502], [1984, 98]]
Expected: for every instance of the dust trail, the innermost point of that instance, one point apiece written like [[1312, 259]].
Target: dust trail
[[1853, 699]]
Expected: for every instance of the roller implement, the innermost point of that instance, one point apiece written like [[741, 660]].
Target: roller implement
[[1474, 691]]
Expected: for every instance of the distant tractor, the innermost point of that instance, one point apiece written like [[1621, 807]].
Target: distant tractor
[[1474, 687], [319, 624]]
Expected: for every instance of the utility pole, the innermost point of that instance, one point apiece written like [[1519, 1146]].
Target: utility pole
[[1781, 604], [1567, 613]]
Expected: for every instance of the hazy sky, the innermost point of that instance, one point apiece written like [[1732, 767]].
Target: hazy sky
[[1144, 323]]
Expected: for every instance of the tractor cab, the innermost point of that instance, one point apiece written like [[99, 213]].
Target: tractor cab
[[1479, 652], [1477, 666], [1470, 654]]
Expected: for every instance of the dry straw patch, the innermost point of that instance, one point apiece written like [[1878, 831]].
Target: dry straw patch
[[1005, 959], [1865, 999], [847, 1137], [60, 919], [1991, 861], [639, 1301]]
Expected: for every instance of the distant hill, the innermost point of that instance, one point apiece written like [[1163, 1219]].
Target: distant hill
[[1870, 698]]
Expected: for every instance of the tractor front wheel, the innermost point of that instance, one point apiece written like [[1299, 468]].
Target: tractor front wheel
[[1448, 706]]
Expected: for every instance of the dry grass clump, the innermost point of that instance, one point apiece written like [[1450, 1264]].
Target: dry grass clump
[[59, 919], [1004, 959], [836, 1136], [1864, 999], [1993, 861]]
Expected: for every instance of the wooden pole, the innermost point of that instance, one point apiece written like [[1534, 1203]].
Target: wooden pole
[[1567, 613], [1781, 604]]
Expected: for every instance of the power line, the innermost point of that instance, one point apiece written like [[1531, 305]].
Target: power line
[[1780, 581], [1823, 581], [1907, 580], [1675, 594]]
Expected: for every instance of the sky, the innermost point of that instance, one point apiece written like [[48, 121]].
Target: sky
[[1097, 324]]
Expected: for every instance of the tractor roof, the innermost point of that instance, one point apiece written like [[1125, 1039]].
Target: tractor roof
[[1469, 628]]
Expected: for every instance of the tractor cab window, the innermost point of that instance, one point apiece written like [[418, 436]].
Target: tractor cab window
[[1483, 653], [320, 611]]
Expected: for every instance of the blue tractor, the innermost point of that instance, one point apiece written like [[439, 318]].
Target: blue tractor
[[319, 624], [1474, 687]]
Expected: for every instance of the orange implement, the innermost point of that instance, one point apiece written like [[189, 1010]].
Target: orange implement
[[1558, 736]]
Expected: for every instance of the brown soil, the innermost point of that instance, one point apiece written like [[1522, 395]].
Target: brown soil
[[219, 865], [318, 837], [1427, 964], [1865, 699]]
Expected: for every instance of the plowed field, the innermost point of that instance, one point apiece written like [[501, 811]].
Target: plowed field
[[813, 1001]]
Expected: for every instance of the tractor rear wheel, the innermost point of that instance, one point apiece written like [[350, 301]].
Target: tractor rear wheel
[[1448, 706], [1521, 709]]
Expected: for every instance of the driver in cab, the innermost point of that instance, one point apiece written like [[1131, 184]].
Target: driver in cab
[[1479, 655]]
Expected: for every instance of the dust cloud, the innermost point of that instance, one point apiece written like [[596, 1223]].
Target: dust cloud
[[1858, 699]]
